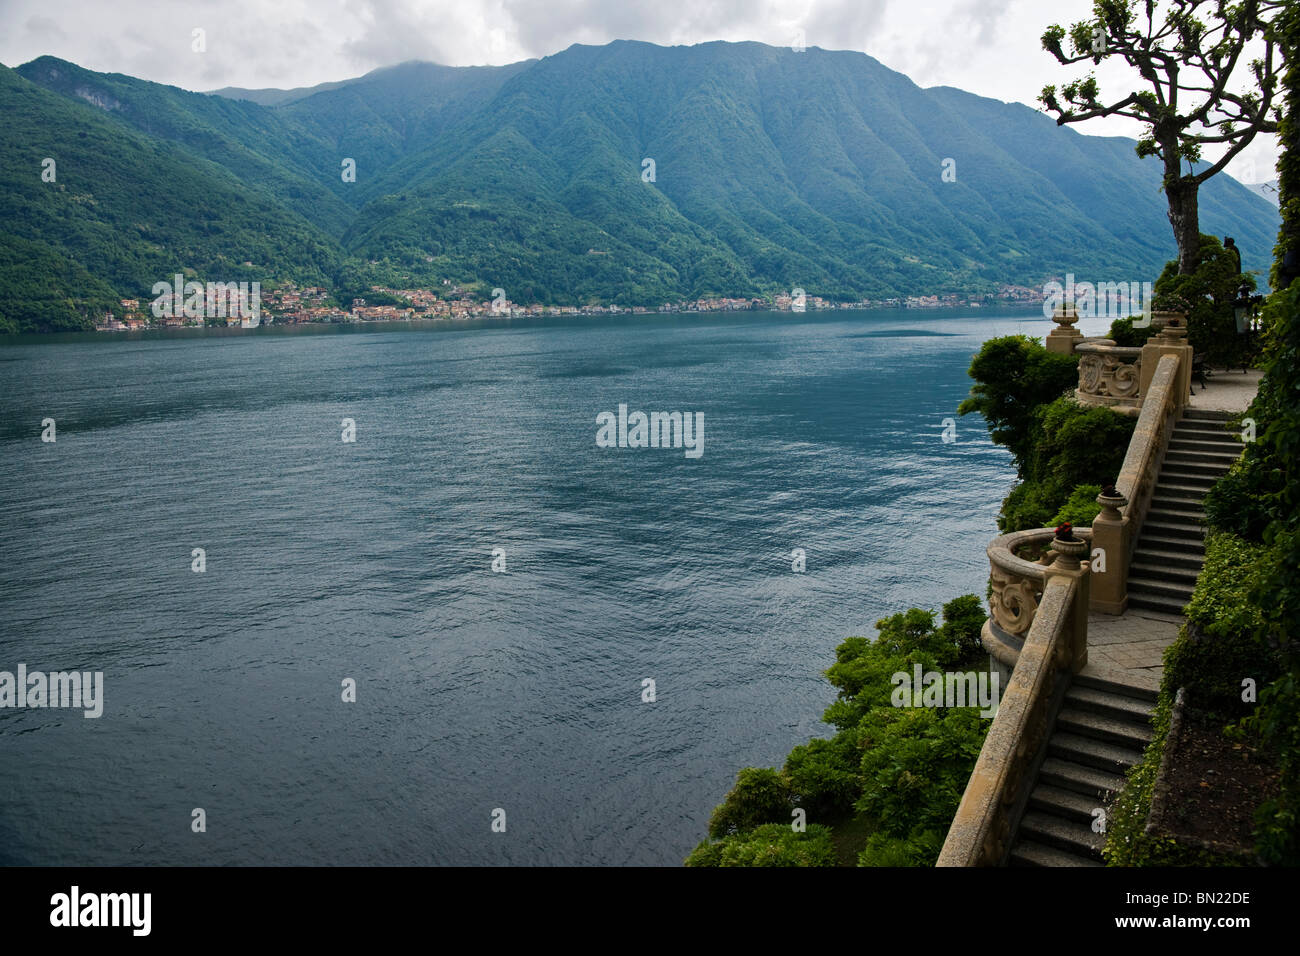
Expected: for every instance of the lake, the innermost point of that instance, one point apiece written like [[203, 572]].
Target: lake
[[519, 689]]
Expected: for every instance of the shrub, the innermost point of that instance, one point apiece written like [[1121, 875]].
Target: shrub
[[1122, 333], [760, 796], [897, 773], [1207, 295], [1224, 639], [1238, 502], [772, 844], [1080, 508], [823, 776], [1014, 375], [1075, 445]]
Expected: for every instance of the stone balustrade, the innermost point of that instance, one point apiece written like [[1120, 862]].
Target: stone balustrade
[[1109, 375], [1017, 574], [1054, 647]]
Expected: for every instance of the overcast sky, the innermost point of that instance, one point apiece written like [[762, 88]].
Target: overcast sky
[[989, 47]]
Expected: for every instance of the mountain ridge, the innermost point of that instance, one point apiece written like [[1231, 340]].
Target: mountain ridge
[[773, 168]]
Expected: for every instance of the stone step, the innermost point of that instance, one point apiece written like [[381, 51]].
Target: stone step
[[1065, 804], [1187, 475], [1155, 602], [1180, 464], [1068, 835], [1029, 853], [1178, 507], [1100, 754], [1121, 731], [1213, 449], [1145, 566], [1108, 704], [1189, 547], [1206, 431], [1180, 491], [1169, 529], [1159, 587], [1207, 415], [1087, 781], [1161, 557], [1113, 687]]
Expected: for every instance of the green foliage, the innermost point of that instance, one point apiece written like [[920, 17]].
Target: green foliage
[[899, 773], [1207, 296], [1015, 375], [1224, 640], [1239, 502], [1079, 509], [1073, 445], [760, 796], [772, 844], [915, 766], [528, 177], [823, 776], [1123, 334]]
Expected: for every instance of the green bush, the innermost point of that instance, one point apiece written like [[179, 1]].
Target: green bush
[[1238, 502], [760, 796], [1079, 509], [1123, 334], [1207, 295], [897, 773], [1074, 445], [1224, 640], [823, 776], [1015, 375], [772, 844]]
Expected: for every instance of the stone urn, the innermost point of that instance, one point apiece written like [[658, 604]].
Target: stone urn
[[1169, 325], [1111, 502], [1065, 316], [1069, 547]]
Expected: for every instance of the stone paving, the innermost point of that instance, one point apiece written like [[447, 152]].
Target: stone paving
[[1229, 391], [1130, 648]]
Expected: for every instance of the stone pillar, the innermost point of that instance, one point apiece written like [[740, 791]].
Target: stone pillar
[[1071, 561], [1110, 534], [1065, 336], [1170, 340]]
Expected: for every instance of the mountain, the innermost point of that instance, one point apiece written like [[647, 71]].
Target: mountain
[[124, 210], [1267, 189], [771, 169]]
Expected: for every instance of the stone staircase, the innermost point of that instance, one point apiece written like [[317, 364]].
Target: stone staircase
[[1101, 731], [1171, 546], [1104, 726]]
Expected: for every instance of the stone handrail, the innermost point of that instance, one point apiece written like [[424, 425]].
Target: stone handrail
[[1017, 587], [1146, 449], [1055, 647], [1109, 375]]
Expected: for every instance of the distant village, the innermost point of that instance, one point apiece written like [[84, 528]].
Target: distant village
[[291, 305]]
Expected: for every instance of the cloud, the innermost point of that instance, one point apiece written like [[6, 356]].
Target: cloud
[[989, 47]]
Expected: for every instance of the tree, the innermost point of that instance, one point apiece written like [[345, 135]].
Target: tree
[[1181, 112]]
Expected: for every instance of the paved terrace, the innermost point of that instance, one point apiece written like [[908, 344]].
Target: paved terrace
[[1129, 648]]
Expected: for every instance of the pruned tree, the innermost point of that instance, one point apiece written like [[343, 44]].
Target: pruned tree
[[1200, 91]]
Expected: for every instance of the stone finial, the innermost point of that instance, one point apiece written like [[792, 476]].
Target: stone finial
[[1065, 336], [1111, 501], [1069, 547]]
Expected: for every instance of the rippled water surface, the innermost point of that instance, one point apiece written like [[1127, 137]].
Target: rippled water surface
[[372, 560]]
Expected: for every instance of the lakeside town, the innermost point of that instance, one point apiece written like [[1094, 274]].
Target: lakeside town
[[291, 305]]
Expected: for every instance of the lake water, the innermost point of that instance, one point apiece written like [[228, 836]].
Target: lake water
[[372, 560]]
